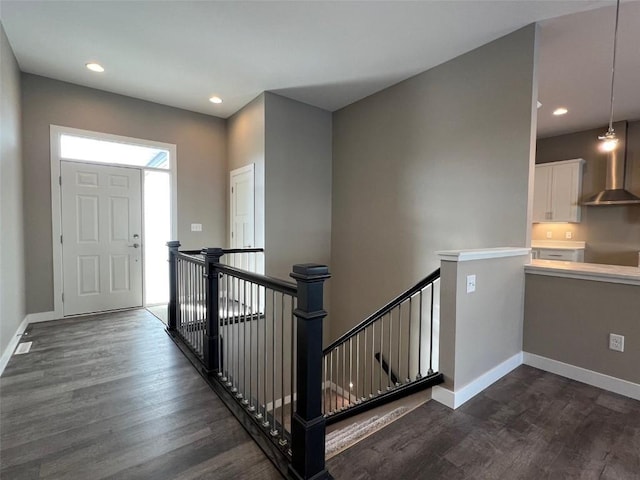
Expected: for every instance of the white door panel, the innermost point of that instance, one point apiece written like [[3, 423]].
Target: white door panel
[[101, 223], [243, 221], [242, 209]]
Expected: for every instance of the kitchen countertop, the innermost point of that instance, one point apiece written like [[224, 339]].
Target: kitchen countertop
[[558, 244], [585, 271]]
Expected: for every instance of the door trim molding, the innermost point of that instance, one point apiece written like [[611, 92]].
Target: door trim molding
[[56, 206]]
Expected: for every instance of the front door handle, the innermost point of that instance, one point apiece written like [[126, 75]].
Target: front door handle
[[135, 245]]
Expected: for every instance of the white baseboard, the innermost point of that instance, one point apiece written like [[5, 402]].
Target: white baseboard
[[13, 343], [600, 380], [454, 399], [40, 317]]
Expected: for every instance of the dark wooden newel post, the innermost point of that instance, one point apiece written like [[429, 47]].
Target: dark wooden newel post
[[308, 428], [173, 284], [212, 327]]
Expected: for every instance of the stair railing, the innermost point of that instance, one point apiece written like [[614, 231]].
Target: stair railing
[[260, 339], [389, 354]]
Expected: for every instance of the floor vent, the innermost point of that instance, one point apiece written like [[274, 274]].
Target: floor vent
[[23, 348]]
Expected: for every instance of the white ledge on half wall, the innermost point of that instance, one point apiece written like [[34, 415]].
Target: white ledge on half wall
[[482, 253]]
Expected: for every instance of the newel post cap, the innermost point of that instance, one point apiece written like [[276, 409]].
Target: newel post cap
[[310, 272]]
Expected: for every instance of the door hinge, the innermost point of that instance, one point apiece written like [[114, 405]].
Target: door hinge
[[60, 180], [231, 234], [60, 238], [63, 298]]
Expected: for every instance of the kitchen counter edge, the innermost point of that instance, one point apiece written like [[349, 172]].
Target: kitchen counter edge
[[585, 271]]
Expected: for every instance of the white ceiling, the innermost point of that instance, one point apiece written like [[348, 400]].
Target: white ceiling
[[327, 54], [575, 69]]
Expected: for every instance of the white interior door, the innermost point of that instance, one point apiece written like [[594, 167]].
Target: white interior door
[[101, 230], [242, 208]]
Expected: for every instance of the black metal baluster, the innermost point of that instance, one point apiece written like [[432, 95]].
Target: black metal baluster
[[244, 340], [251, 321], [430, 371], [218, 304], [389, 380], [265, 423], [365, 377], [408, 378], [283, 440], [232, 367], [274, 427], [292, 363], [419, 376], [381, 350], [398, 377], [350, 368], [373, 349]]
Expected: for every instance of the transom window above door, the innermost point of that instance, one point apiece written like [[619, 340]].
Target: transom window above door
[[74, 147]]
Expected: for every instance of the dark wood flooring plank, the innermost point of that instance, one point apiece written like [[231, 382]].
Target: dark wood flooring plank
[[529, 425], [111, 396]]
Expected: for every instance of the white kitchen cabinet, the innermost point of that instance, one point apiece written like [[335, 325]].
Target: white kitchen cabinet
[[567, 255], [556, 192]]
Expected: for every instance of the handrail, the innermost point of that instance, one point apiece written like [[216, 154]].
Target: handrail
[[429, 279], [270, 282], [191, 252], [242, 250], [226, 251], [190, 257]]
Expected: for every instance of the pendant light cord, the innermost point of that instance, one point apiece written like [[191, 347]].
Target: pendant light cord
[[613, 67]]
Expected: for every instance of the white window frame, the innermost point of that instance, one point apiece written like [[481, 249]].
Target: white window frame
[[56, 131]]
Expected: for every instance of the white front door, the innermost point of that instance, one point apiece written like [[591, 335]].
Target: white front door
[[101, 237], [242, 208]]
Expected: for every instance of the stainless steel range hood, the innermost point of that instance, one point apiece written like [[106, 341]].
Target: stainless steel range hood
[[614, 193]]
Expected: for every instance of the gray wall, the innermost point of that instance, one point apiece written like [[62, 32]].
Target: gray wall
[[245, 145], [290, 145], [202, 169], [569, 320], [480, 330], [612, 233], [298, 184], [12, 277], [440, 161]]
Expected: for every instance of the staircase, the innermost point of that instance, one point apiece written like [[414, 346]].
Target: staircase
[[257, 341], [388, 355]]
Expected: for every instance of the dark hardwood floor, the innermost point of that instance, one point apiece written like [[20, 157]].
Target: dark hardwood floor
[[529, 425], [111, 396]]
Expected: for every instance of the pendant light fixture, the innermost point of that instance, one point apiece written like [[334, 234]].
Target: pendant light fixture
[[609, 141]]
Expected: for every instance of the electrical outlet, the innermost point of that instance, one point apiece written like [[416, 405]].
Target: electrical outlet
[[568, 235], [471, 283], [616, 342], [549, 234], [196, 227]]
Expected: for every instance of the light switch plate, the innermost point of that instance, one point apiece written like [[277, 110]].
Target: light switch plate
[[471, 283], [196, 227]]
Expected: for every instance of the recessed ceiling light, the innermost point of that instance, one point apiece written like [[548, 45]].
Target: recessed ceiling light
[[95, 67], [560, 111], [215, 100]]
